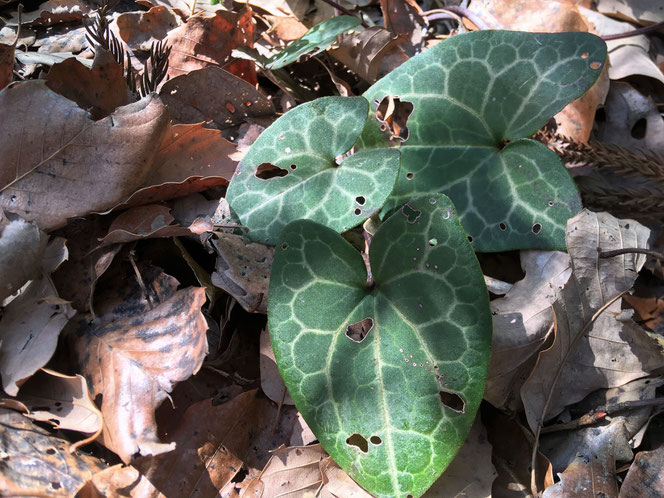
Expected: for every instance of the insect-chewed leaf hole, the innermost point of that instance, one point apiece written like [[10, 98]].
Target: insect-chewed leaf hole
[[360, 200], [358, 331], [412, 215], [550, 203], [502, 226], [595, 65], [585, 55], [433, 242], [409, 176], [284, 246], [359, 441], [293, 166], [375, 440], [470, 239], [393, 114], [358, 211], [537, 228], [452, 401], [266, 171]]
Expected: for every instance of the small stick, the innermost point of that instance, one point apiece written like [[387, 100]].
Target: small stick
[[460, 11], [629, 250], [636, 32]]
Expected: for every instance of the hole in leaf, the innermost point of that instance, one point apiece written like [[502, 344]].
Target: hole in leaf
[[393, 115], [360, 200], [503, 226], [639, 129], [537, 228], [409, 176], [266, 171], [358, 441], [595, 65], [284, 246], [585, 55], [452, 401], [433, 242], [550, 203], [293, 166], [358, 212], [358, 331], [446, 214], [470, 239], [375, 440], [412, 215]]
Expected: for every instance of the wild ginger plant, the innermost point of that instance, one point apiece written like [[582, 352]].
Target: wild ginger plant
[[387, 361]]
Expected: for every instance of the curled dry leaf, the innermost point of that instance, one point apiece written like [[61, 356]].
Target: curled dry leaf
[[7, 62], [208, 40], [53, 12], [100, 90], [58, 163], [61, 400], [134, 363], [22, 247], [243, 270], [212, 94], [592, 352], [521, 321], [271, 382], [404, 19], [37, 463], [31, 324], [140, 29]]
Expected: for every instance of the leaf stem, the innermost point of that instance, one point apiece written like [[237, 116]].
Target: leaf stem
[[629, 250], [636, 32], [365, 257], [435, 14], [345, 11]]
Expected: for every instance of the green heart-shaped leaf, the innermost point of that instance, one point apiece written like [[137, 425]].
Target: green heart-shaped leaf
[[388, 376], [315, 40], [294, 170], [476, 98]]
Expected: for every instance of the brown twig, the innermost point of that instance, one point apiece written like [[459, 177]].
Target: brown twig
[[636, 32], [630, 250], [345, 11]]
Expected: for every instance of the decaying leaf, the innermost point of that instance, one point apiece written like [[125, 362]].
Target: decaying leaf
[[36, 463], [22, 246], [592, 349], [243, 270], [58, 163], [645, 477], [271, 382], [134, 363], [31, 324], [521, 322], [404, 19], [140, 29]]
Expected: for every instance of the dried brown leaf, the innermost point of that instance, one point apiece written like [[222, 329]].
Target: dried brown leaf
[[591, 352], [404, 19], [212, 94], [140, 29], [645, 477], [134, 363], [57, 163], [271, 382]]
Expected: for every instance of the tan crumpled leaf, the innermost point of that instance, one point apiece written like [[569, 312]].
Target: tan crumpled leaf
[[99, 90], [57, 163], [521, 321], [134, 363], [140, 29], [471, 473], [61, 400], [641, 11], [645, 476], [36, 463], [593, 471], [212, 94], [300, 471], [53, 12], [576, 119], [243, 270], [371, 53], [592, 352], [404, 19], [22, 247], [271, 382], [30, 324]]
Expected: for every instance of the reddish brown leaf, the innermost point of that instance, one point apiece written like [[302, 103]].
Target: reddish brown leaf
[[7, 63], [35, 463], [212, 94], [403, 18], [208, 40], [140, 29], [99, 90], [134, 363], [57, 163], [645, 477]]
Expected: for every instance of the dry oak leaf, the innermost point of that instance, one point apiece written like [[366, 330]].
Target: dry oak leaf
[[53, 12], [592, 352], [140, 29], [134, 363], [99, 90], [57, 163], [208, 40], [645, 476], [36, 463]]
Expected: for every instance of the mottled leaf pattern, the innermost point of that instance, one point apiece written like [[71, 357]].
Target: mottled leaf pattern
[[477, 98], [388, 377]]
